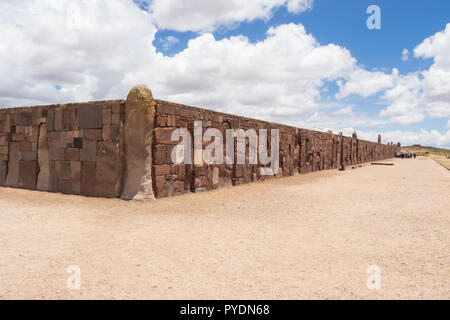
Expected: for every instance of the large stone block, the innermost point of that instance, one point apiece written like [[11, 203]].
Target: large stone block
[[24, 118], [27, 174], [12, 179], [44, 159], [93, 134], [3, 171], [164, 136], [107, 171], [72, 154], [88, 178], [90, 116], [28, 155]]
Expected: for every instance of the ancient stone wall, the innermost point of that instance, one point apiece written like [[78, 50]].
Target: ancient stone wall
[[124, 149], [72, 148]]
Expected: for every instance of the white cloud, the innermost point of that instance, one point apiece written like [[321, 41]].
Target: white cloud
[[406, 138], [99, 49], [206, 16], [365, 83], [405, 102], [344, 111], [169, 41], [86, 47], [417, 96], [405, 54]]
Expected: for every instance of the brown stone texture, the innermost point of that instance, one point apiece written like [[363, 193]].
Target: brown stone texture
[[301, 151], [45, 148], [123, 149], [138, 141]]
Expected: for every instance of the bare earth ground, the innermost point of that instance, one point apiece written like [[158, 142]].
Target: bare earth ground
[[310, 236]]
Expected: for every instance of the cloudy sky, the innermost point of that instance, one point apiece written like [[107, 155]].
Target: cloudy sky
[[309, 63]]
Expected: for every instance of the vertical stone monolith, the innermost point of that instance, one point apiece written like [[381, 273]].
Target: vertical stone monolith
[[140, 110]]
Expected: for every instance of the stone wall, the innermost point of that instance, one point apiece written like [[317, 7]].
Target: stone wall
[[123, 148], [72, 148], [301, 151]]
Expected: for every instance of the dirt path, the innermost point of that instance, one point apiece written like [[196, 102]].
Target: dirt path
[[310, 236]]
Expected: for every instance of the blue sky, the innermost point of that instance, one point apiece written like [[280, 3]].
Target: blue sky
[[309, 63], [405, 24]]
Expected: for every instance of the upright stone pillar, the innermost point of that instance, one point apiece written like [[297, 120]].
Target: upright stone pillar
[[140, 110]]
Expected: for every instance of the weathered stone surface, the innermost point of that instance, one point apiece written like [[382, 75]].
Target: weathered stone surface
[[93, 134], [90, 116], [140, 111], [25, 118], [12, 179], [78, 143], [88, 179], [3, 171], [28, 155], [27, 174], [43, 181], [164, 136], [72, 154], [161, 170], [107, 171]]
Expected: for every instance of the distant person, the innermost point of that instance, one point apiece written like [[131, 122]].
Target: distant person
[[415, 155], [403, 156]]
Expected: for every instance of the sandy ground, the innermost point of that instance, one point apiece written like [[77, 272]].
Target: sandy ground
[[310, 236]]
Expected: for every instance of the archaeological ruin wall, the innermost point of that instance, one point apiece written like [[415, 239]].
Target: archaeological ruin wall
[[123, 148]]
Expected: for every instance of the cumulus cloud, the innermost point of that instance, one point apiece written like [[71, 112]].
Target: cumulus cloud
[[423, 137], [206, 16], [344, 111], [88, 50], [365, 83], [427, 94], [64, 51], [405, 54], [59, 51]]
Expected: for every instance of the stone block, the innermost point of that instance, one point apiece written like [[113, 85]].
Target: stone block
[[54, 153], [93, 134], [88, 179], [27, 174], [28, 155], [24, 118], [161, 170], [90, 116], [106, 132], [159, 154], [50, 120], [115, 119], [58, 120], [106, 116], [12, 178], [116, 108], [72, 154], [164, 135], [107, 171], [78, 143], [3, 171], [4, 150], [17, 137], [92, 151], [115, 133]]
